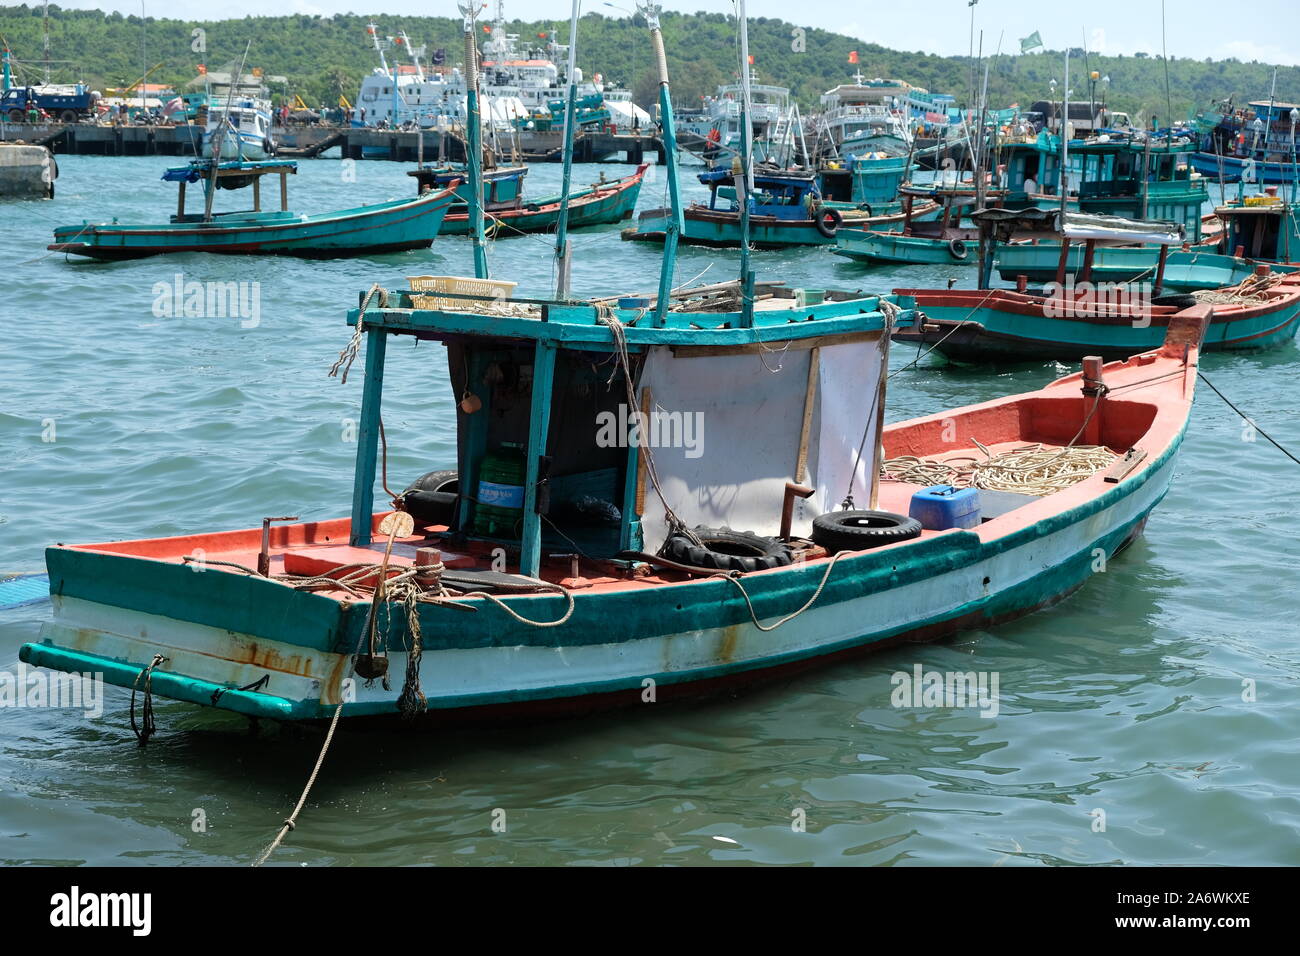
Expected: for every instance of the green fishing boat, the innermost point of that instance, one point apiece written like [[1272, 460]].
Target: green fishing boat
[[380, 227]]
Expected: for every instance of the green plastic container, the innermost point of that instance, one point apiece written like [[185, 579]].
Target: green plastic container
[[501, 478]]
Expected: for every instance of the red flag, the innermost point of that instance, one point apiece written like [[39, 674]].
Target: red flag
[[486, 28], [202, 69], [751, 59], [853, 56]]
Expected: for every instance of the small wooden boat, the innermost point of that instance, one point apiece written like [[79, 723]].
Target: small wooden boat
[[286, 622], [380, 227], [1070, 320], [509, 213], [940, 241], [786, 210]]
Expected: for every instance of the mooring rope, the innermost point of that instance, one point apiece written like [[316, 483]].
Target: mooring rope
[[348, 355], [147, 726]]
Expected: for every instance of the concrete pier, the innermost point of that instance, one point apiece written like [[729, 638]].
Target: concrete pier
[[310, 141], [26, 172]]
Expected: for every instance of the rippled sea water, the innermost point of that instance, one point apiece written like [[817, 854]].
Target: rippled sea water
[[1126, 698]]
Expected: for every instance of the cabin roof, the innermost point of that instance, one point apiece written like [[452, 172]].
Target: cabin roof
[[198, 168]]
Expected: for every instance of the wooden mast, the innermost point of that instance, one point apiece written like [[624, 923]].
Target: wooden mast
[[474, 141], [562, 263], [674, 227], [745, 181]]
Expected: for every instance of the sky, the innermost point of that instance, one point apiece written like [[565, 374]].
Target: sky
[[1195, 28]]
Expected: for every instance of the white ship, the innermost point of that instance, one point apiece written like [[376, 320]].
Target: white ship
[[532, 72], [242, 105], [770, 118], [408, 94]]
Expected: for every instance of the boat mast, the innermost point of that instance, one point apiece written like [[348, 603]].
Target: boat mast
[[473, 144], [673, 228], [1065, 139], [745, 180], [562, 262], [219, 138]]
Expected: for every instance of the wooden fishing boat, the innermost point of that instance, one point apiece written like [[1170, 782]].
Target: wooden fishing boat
[[284, 621], [944, 240], [510, 213], [785, 210], [380, 227], [1069, 319]]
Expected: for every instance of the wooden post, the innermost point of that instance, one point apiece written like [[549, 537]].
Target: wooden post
[[1089, 250], [363, 484], [1060, 265], [257, 194], [180, 202], [284, 190], [1160, 268], [1093, 395], [539, 420]]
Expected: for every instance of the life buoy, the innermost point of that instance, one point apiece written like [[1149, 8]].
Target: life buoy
[[827, 220], [957, 248]]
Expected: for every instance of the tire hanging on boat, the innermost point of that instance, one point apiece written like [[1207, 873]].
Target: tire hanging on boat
[[957, 248], [432, 498], [860, 530], [827, 221], [728, 550]]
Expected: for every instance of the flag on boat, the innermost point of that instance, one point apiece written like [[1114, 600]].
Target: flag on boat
[[853, 56], [751, 59], [1031, 42]]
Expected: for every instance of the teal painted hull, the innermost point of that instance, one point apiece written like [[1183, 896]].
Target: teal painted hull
[[1184, 271], [706, 227], [965, 330], [899, 249], [585, 209], [382, 227]]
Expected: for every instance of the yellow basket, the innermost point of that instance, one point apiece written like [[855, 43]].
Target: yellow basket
[[493, 289]]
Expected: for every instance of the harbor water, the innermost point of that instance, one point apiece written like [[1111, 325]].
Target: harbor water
[[1148, 719]]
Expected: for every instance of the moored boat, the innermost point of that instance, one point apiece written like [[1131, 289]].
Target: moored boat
[[285, 622], [510, 212], [785, 209], [380, 227], [1069, 320]]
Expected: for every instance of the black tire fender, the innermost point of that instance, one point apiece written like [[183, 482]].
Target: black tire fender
[[728, 550], [1180, 300], [957, 248], [860, 530], [433, 497], [822, 215]]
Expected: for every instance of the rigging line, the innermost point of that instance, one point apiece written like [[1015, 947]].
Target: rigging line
[[1247, 419]]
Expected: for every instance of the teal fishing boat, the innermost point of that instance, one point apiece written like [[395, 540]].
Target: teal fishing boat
[[1134, 177], [381, 227], [567, 563], [785, 208], [1075, 318], [1264, 228], [605, 201], [944, 240]]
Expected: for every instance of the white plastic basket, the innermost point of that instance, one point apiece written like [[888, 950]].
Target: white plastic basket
[[495, 290]]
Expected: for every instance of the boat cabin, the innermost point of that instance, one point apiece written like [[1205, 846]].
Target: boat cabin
[[595, 428], [871, 181], [503, 186], [783, 194], [1263, 228], [228, 175], [1113, 176]]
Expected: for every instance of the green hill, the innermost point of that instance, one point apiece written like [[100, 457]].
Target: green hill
[[325, 56]]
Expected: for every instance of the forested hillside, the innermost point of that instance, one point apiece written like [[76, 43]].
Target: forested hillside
[[325, 56]]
